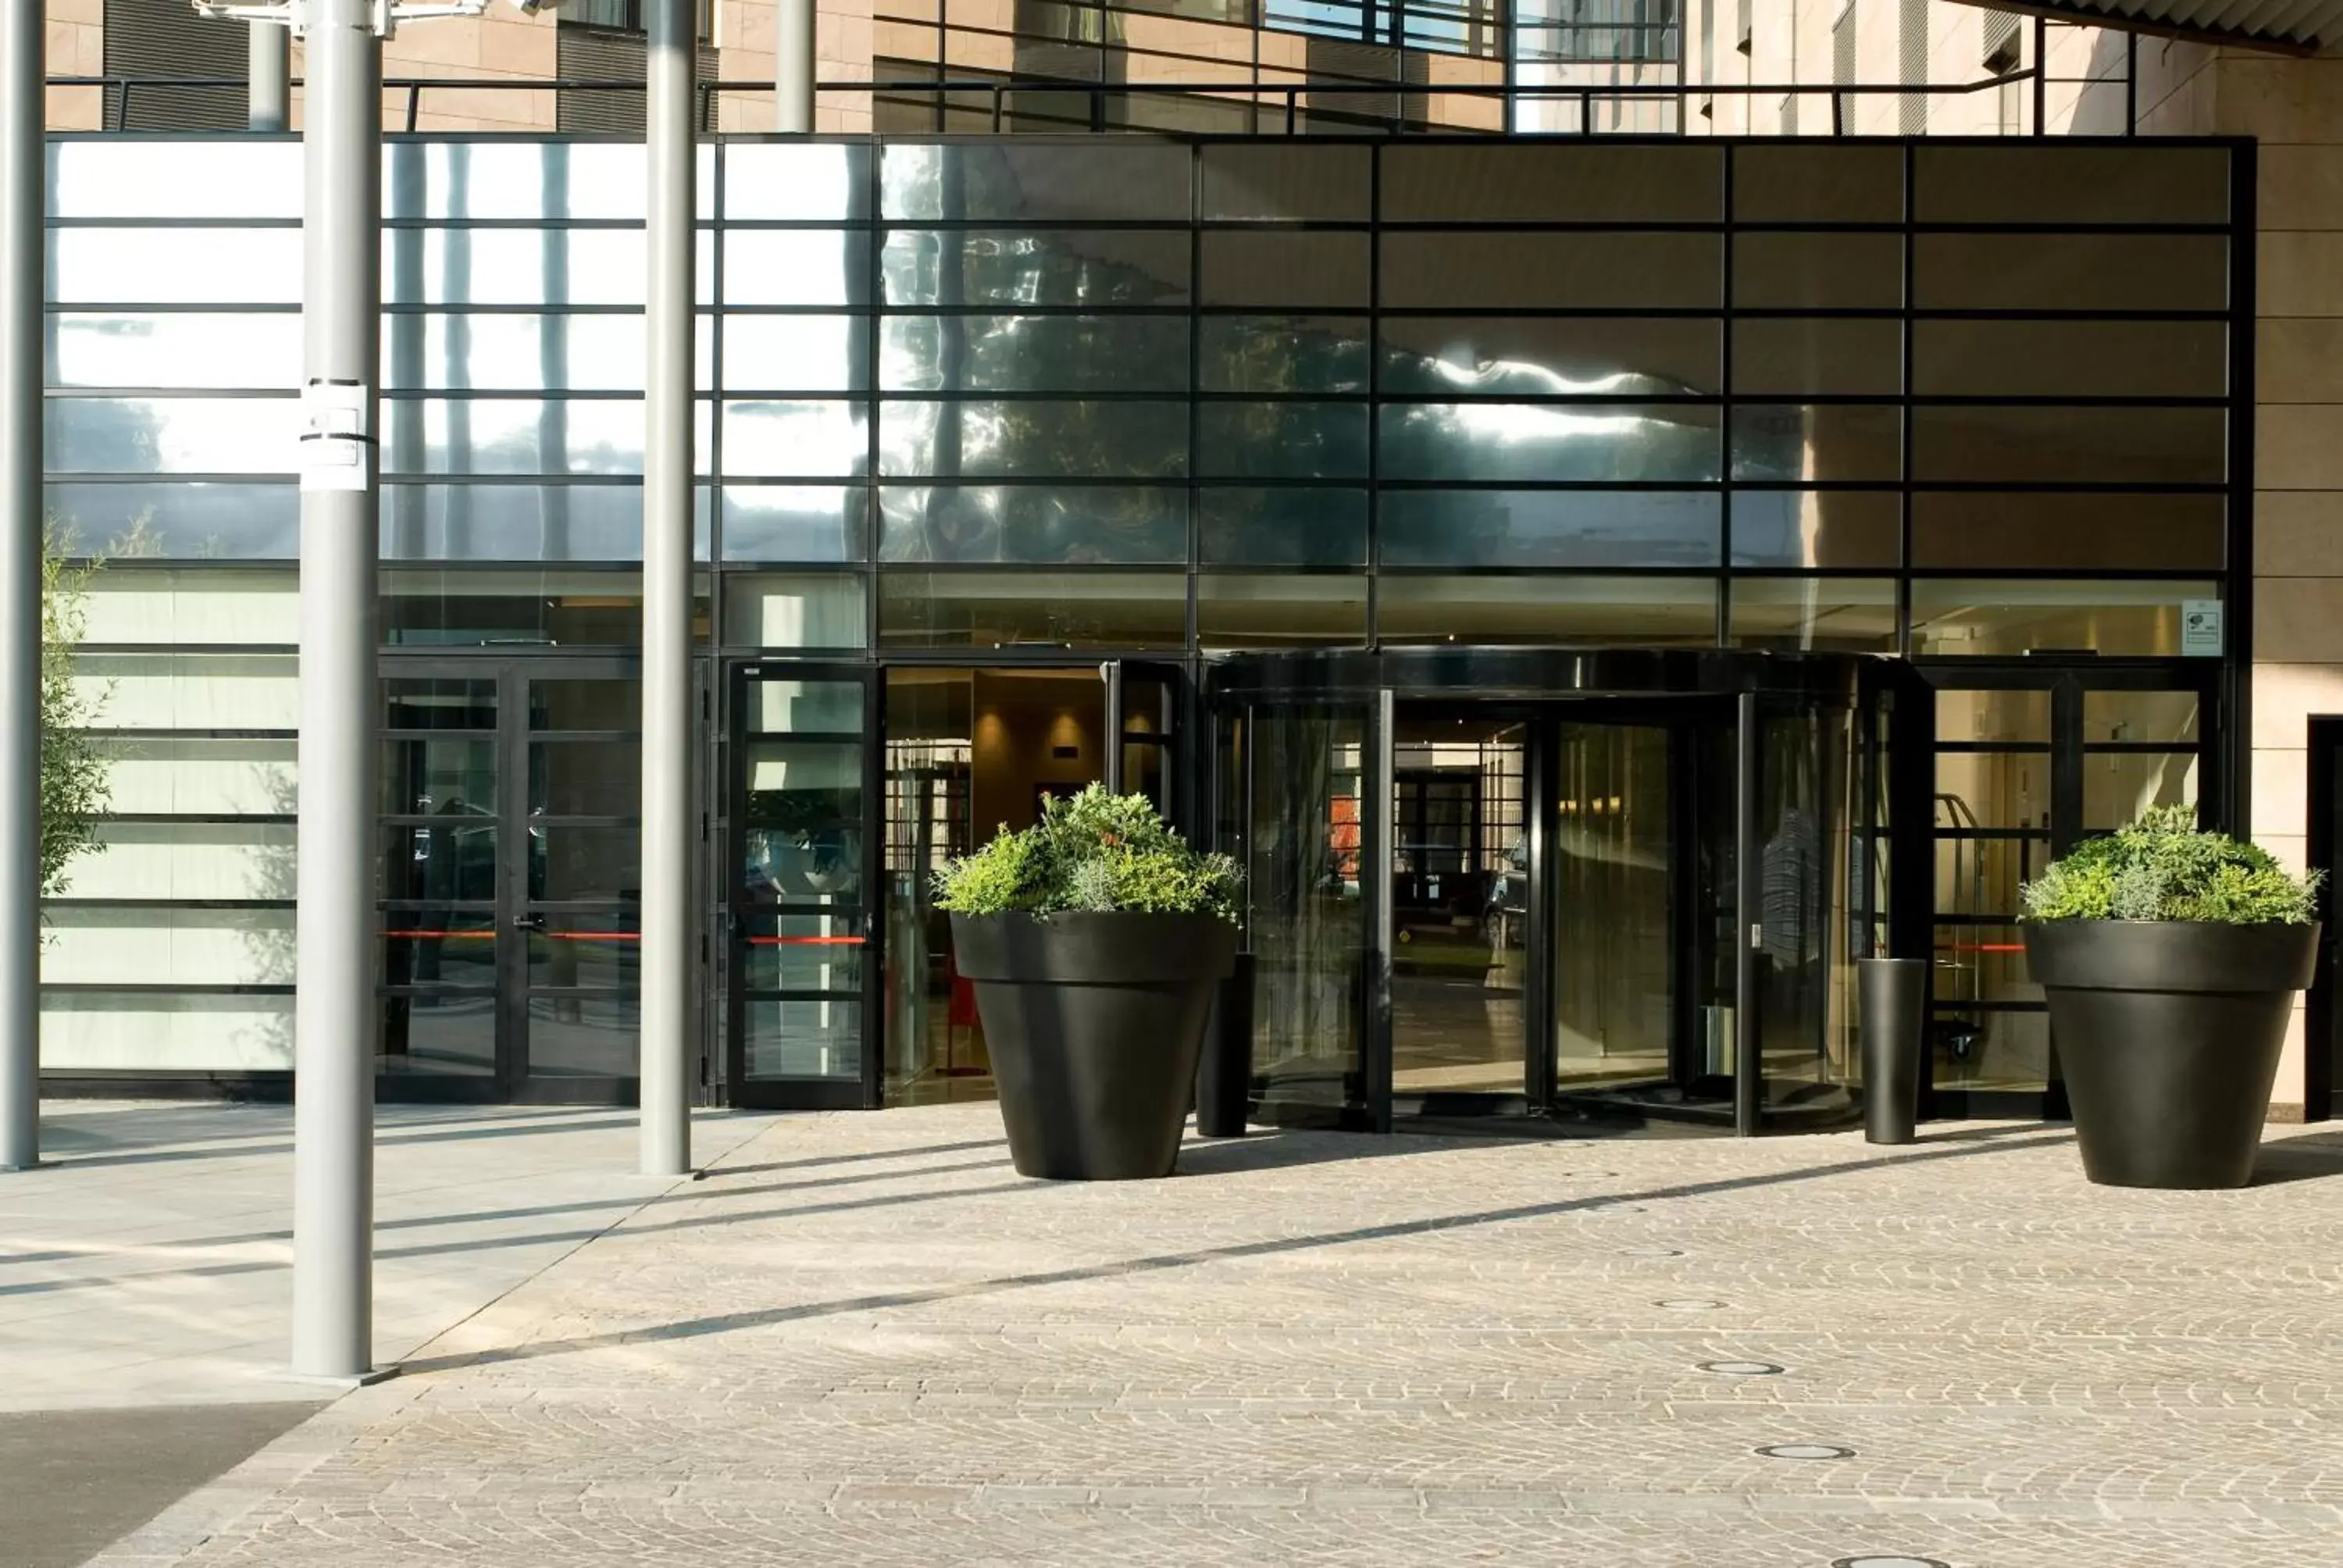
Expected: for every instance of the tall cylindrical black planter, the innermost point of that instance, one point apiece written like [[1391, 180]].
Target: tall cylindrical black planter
[[1893, 1006], [2169, 1033], [1093, 1023], [1224, 1070]]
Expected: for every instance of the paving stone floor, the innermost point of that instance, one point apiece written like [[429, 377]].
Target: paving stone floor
[[864, 1339]]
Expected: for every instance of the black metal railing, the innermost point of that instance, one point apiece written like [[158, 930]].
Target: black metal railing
[[1284, 100]]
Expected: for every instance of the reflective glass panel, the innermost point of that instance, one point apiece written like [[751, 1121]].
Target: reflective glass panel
[[1827, 271], [1526, 609], [1534, 357], [515, 436], [802, 1039], [795, 611], [1283, 527], [1788, 182], [1081, 181], [2070, 185], [1283, 353], [794, 266], [1967, 616], [1287, 610], [176, 348], [517, 178], [2095, 272], [169, 435], [1818, 443], [2139, 717], [230, 522], [1008, 608], [1323, 182], [2070, 358], [1837, 615], [1546, 181], [1304, 269], [794, 522], [796, 440], [1821, 528], [1500, 271], [1306, 920], [160, 177], [1035, 437], [1044, 266], [764, 353], [1284, 440], [1042, 524], [1584, 442], [2134, 445], [212, 266], [808, 182], [804, 950], [518, 353], [1532, 528], [1834, 356], [524, 267], [1982, 529], [1034, 353], [2119, 786], [512, 522]]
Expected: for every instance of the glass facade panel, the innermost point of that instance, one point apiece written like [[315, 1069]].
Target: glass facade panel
[[802, 266], [795, 440], [515, 436], [207, 521], [1553, 529], [1047, 610], [1287, 269], [210, 267], [2078, 272], [2058, 443], [1818, 443], [1306, 918], [480, 351], [1805, 271], [1552, 357], [1969, 616], [1277, 354], [1283, 440], [1287, 610], [1589, 442], [159, 177], [512, 522], [1821, 355], [771, 353], [530, 267], [2137, 717], [1553, 182], [1243, 525], [1817, 529], [795, 523], [796, 611], [1077, 180], [513, 179], [1498, 270], [1034, 524], [2070, 185], [1059, 439], [1271, 181], [789, 183], [169, 435], [1804, 182], [1563, 610], [1976, 530], [1833, 614], [1970, 357], [1036, 267], [251, 351], [1034, 353]]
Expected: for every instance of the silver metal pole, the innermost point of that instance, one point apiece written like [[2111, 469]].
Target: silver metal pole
[[268, 89], [667, 707], [23, 165], [334, 1005], [793, 66]]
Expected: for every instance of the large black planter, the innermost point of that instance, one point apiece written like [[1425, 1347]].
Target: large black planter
[[1093, 1023], [2168, 1032]]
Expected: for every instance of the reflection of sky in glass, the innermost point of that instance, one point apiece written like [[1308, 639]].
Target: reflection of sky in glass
[[789, 266], [791, 354], [152, 176], [177, 349], [765, 181], [171, 435], [209, 266], [795, 440]]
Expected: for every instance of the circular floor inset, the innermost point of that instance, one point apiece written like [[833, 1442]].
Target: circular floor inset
[[1688, 1304], [1805, 1450], [1742, 1369], [1887, 1563]]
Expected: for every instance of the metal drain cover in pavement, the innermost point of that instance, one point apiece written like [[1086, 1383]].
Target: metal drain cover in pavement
[[1651, 1251], [1887, 1563], [1687, 1303], [1805, 1450], [1742, 1369]]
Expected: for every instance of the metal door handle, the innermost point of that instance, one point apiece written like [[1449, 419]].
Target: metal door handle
[[528, 922]]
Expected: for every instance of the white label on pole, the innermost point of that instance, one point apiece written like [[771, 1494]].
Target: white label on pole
[[2200, 628], [336, 435]]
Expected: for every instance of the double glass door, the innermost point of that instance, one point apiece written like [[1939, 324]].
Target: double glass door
[[510, 884]]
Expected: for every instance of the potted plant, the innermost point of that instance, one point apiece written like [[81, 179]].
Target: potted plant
[[1094, 940], [2171, 959]]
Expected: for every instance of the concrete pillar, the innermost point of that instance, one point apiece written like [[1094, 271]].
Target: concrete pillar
[[793, 67], [22, 173], [669, 815], [333, 1000], [268, 89]]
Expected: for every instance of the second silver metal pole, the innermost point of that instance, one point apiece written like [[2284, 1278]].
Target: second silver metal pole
[[667, 708], [333, 1000], [793, 66]]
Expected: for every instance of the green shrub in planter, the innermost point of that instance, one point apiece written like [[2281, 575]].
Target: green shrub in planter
[[2162, 868], [1092, 854], [2171, 959], [1095, 940]]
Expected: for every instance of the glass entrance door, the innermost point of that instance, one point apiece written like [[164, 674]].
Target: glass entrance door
[[803, 970], [510, 884]]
